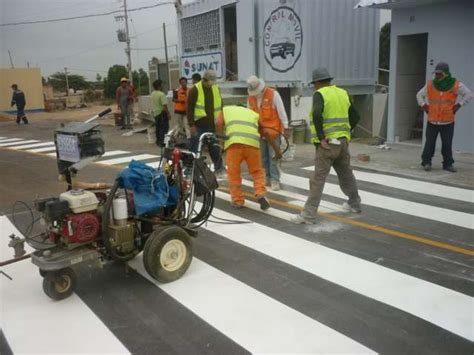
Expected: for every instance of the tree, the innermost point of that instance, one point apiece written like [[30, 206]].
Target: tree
[[98, 77], [111, 83], [141, 82], [76, 82], [384, 52]]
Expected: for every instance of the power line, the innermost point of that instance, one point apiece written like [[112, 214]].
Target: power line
[[84, 16]]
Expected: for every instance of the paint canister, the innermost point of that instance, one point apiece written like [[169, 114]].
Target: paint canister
[[119, 206], [299, 131], [151, 135]]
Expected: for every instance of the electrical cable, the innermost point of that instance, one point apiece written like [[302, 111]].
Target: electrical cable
[[84, 16]]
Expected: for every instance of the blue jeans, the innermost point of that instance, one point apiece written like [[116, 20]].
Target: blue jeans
[[214, 151], [270, 165]]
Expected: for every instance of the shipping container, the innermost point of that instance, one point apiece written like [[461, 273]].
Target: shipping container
[[281, 41]]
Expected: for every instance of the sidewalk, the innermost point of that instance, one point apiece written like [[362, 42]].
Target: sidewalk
[[404, 160]]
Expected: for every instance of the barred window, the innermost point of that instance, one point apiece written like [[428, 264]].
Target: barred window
[[201, 32]]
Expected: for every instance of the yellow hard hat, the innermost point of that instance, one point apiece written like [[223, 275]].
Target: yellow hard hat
[[123, 79]]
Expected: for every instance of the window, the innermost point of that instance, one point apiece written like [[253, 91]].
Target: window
[[201, 32]]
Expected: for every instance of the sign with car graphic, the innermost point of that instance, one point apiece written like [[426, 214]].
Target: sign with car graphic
[[282, 39]]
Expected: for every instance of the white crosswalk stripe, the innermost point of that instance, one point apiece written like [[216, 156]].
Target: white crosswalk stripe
[[420, 187], [255, 320], [433, 213]]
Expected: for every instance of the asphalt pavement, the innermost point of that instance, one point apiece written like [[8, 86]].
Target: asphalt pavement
[[397, 278]]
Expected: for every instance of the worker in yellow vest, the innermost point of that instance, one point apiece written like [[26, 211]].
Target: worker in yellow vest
[[203, 106], [242, 144], [439, 99], [332, 119]]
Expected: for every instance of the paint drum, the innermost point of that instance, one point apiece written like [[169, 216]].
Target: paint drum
[[119, 206], [299, 131]]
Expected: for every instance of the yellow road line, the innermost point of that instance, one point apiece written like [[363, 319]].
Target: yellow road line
[[368, 226], [364, 225]]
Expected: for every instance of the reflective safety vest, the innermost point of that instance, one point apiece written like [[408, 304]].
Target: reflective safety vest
[[441, 103], [241, 126], [200, 108], [335, 114], [269, 118], [181, 97]]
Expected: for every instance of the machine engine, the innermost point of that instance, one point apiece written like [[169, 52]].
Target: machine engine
[[72, 217]]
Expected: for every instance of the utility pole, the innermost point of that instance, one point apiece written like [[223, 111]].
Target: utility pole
[[67, 82], [11, 60], [127, 50], [166, 57]]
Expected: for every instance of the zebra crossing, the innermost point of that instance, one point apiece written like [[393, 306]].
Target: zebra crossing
[[262, 285]]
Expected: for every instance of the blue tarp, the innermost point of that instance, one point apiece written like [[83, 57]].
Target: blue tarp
[[150, 187]]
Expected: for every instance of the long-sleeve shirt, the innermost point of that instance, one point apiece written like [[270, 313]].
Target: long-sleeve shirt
[[18, 99], [464, 95], [318, 108], [204, 122], [277, 105]]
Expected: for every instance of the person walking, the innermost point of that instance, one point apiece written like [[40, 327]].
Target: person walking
[[273, 122], [159, 107], [125, 96], [196, 78], [439, 99], [240, 126], [203, 106], [180, 96], [332, 119], [19, 100]]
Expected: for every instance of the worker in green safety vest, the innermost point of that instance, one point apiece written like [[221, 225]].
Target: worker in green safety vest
[[332, 119], [204, 104]]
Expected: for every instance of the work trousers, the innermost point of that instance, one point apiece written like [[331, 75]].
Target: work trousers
[[20, 114], [338, 157], [447, 132], [235, 155], [182, 124], [162, 125], [126, 109], [214, 150], [270, 165]]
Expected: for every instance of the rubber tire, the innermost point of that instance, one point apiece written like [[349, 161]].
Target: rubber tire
[[152, 252], [42, 272], [50, 280]]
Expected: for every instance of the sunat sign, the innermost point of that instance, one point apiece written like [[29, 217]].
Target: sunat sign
[[199, 63]]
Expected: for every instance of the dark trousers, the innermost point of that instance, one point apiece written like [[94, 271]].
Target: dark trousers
[[446, 132], [214, 150], [162, 125], [20, 114]]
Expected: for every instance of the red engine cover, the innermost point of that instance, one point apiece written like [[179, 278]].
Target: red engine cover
[[81, 227]]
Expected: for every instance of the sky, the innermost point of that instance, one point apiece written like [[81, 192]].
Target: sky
[[85, 46]]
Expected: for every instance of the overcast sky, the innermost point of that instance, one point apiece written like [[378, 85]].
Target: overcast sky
[[86, 46]]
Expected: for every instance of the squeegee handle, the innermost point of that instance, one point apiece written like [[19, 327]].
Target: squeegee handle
[[103, 113]]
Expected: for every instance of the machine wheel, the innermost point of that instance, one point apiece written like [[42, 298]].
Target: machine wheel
[[60, 284], [167, 254], [42, 272]]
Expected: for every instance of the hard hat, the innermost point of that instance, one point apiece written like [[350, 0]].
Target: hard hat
[[123, 79]]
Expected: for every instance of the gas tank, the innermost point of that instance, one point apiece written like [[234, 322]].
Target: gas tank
[[80, 200]]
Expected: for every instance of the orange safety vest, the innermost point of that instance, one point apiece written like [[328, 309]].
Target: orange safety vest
[[268, 114], [181, 95], [441, 103]]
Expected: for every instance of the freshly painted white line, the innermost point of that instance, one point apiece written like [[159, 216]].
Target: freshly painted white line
[[127, 159], [325, 206], [114, 152], [34, 145], [52, 154], [10, 140], [441, 306], [252, 319], [433, 213], [42, 150], [154, 164], [26, 311], [421, 187], [17, 143]]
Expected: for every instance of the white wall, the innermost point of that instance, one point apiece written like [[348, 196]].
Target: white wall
[[450, 28]]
